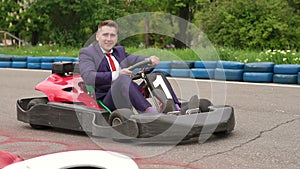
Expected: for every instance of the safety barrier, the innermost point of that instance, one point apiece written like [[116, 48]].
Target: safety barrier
[[257, 72]]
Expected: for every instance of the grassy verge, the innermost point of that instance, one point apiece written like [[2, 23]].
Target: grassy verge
[[245, 56]]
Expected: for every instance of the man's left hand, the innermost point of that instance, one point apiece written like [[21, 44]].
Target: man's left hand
[[154, 60]]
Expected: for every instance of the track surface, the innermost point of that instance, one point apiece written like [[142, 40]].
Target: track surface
[[266, 133]]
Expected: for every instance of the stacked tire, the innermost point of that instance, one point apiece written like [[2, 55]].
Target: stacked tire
[[5, 61], [19, 62], [181, 68], [164, 67], [258, 72], [204, 69], [229, 71], [46, 62], [286, 73]]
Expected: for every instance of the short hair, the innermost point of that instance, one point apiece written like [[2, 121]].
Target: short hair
[[109, 23]]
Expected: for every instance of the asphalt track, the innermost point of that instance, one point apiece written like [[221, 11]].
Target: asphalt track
[[266, 133]]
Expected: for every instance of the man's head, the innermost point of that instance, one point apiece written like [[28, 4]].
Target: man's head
[[107, 34]]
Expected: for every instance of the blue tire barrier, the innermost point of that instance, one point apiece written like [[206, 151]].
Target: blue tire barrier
[[19, 58], [230, 65], [259, 77], [286, 69], [32, 59], [299, 78], [19, 64], [285, 78], [259, 67], [5, 64], [47, 59], [65, 59], [205, 64], [165, 72], [229, 74], [180, 72], [164, 65], [5, 58], [180, 64], [202, 73], [33, 65], [46, 65]]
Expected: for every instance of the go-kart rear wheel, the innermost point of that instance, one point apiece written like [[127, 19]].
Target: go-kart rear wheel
[[121, 122], [118, 117], [33, 103]]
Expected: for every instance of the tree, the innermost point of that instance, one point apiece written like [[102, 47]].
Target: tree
[[252, 24]]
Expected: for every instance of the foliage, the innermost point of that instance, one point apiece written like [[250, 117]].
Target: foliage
[[239, 24], [258, 24]]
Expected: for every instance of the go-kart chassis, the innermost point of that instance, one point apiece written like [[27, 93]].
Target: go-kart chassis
[[150, 127]]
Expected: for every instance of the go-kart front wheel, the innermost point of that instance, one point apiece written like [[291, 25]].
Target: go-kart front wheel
[[33, 103]]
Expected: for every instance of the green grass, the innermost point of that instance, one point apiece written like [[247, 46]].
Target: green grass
[[193, 54], [41, 51]]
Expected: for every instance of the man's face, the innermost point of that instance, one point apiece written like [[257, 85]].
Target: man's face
[[107, 37]]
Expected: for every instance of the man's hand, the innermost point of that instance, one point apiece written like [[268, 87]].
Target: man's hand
[[125, 72], [154, 59]]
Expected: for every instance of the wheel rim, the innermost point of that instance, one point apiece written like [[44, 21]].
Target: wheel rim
[[116, 121]]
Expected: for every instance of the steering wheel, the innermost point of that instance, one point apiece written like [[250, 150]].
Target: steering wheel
[[143, 65]]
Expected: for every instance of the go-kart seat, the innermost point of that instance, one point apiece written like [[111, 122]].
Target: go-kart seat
[[168, 105]]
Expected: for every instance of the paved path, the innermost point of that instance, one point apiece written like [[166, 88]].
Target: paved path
[[266, 134]]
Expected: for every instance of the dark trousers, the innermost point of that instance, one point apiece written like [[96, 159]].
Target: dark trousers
[[125, 93]]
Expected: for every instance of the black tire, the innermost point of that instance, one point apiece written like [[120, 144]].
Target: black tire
[[36, 101], [33, 103], [204, 105], [119, 116]]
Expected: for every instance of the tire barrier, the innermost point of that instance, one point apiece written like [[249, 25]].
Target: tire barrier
[[32, 59], [205, 64], [5, 58], [65, 59], [220, 70], [179, 64], [285, 78], [19, 59], [33, 65], [164, 65], [202, 73], [229, 74], [46, 59], [259, 77], [231, 71], [286, 69], [180, 72], [19, 65], [166, 72], [230, 65], [46, 65], [5, 64], [259, 67], [19, 62]]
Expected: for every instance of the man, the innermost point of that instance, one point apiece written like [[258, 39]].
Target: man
[[104, 66]]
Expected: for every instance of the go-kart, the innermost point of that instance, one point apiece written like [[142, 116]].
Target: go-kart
[[70, 104], [79, 159]]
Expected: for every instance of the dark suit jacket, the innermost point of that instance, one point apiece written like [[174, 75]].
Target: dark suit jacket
[[95, 70]]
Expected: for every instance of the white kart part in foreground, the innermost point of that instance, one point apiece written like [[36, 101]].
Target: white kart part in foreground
[[81, 159]]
